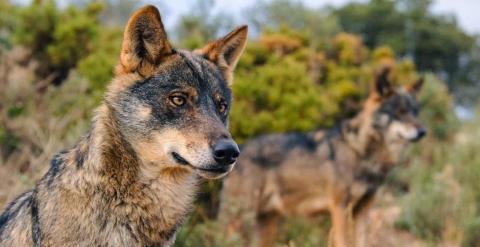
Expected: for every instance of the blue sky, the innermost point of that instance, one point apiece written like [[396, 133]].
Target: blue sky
[[467, 11]]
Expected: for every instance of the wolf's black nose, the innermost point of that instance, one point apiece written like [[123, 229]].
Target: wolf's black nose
[[225, 152], [421, 133]]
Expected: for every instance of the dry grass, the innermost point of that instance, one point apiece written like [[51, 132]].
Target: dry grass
[[37, 120]]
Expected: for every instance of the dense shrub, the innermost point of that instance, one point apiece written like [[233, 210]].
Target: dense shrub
[[443, 203], [286, 86], [7, 22], [58, 38], [98, 66], [437, 109]]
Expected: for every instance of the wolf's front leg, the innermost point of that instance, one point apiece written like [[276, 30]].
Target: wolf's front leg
[[266, 230], [339, 214]]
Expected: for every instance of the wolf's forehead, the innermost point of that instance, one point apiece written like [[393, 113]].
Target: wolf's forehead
[[205, 74], [402, 99]]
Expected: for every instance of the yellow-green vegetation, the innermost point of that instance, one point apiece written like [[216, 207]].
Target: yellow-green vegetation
[[57, 37], [443, 200], [305, 69], [284, 85]]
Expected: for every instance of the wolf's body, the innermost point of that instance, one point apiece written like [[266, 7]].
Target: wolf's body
[[336, 171], [161, 129]]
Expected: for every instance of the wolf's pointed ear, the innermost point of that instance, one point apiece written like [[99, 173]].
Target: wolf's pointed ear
[[382, 86], [226, 51], [415, 87], [145, 42]]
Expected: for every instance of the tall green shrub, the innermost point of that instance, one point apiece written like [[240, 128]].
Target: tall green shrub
[[283, 85], [58, 38]]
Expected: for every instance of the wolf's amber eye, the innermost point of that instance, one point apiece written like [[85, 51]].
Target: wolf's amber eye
[[222, 107], [178, 100]]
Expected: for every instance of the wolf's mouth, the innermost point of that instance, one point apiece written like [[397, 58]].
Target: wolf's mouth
[[216, 169], [180, 159]]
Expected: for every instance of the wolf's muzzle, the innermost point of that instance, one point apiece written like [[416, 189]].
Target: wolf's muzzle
[[421, 132], [225, 152]]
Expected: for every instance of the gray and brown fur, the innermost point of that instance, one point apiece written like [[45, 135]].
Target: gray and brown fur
[[336, 171], [131, 180]]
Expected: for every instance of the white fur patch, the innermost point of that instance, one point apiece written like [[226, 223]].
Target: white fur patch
[[403, 130], [191, 146]]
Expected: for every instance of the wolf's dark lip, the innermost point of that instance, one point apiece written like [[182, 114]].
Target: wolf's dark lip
[[416, 139], [180, 159], [214, 169]]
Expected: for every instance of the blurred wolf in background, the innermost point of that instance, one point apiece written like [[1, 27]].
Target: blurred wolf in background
[[336, 171], [131, 180]]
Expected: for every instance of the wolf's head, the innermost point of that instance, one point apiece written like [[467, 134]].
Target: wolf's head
[[396, 114], [172, 105]]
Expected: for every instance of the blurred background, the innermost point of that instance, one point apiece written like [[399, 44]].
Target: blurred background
[[308, 64]]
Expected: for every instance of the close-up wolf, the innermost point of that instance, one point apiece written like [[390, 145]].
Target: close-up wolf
[[337, 170], [160, 130]]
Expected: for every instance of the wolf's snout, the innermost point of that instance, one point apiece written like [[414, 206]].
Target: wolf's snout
[[225, 152], [421, 132]]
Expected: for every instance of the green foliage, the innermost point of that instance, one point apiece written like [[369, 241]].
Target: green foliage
[[466, 92], [58, 38], [437, 109], [435, 42], [269, 94], [378, 21], [285, 86], [206, 234], [467, 164], [305, 232], [349, 49], [8, 142], [428, 207], [443, 203], [7, 22], [98, 66], [433, 209], [292, 231], [318, 23]]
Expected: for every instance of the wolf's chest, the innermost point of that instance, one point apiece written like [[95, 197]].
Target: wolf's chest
[[150, 216]]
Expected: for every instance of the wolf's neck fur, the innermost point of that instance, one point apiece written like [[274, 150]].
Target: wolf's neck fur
[[155, 207], [366, 141]]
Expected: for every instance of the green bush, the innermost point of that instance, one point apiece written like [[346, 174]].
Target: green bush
[[8, 142], [58, 38], [7, 23], [98, 66], [443, 203], [305, 232], [437, 111], [275, 97], [286, 86], [426, 208], [206, 234], [292, 231]]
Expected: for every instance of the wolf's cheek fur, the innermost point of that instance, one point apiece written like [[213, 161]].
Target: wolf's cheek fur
[[158, 149], [403, 130]]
